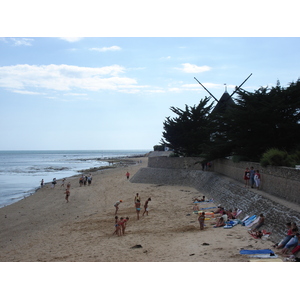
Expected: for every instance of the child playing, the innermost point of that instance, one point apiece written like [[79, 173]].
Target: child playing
[[138, 208], [116, 205], [123, 225], [116, 225], [201, 219], [146, 206]]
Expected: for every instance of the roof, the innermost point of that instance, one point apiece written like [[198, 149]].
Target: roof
[[224, 103]]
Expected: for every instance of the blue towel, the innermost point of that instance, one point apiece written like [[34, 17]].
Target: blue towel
[[261, 251]]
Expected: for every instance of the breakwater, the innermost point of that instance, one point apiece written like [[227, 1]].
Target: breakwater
[[223, 189]]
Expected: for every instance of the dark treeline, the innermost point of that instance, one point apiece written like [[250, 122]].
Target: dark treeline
[[247, 129]]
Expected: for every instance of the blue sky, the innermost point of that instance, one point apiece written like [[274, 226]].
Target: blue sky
[[115, 92]]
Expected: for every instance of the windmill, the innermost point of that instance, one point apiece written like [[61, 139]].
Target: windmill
[[226, 99]]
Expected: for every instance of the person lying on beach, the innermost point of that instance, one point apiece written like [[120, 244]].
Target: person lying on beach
[[220, 222], [256, 234], [116, 205], [138, 208], [146, 206], [220, 210], [200, 200]]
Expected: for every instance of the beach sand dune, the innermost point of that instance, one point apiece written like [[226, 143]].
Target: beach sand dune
[[43, 227]]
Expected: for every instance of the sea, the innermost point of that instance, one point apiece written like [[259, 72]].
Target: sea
[[21, 172]]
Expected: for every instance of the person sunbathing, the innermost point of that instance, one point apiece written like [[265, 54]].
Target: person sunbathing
[[288, 236], [220, 222]]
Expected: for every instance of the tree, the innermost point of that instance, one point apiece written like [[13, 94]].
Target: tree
[[189, 133], [267, 118]]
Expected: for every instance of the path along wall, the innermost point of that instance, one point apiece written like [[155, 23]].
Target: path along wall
[[188, 172], [278, 181]]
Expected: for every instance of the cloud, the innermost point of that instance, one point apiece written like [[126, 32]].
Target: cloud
[[71, 39], [64, 78], [166, 58], [18, 41], [104, 49], [190, 68], [27, 92]]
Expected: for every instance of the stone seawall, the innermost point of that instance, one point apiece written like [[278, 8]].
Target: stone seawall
[[278, 181], [224, 191]]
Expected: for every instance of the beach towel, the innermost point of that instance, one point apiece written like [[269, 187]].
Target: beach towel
[[247, 217], [204, 201], [239, 211], [249, 220], [263, 256], [258, 251], [230, 224], [266, 260], [256, 220], [208, 208]]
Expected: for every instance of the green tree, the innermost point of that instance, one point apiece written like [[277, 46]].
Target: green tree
[[267, 118], [188, 134]]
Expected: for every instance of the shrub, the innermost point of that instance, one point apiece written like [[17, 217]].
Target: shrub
[[275, 157]]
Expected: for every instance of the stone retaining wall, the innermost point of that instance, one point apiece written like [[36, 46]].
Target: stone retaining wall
[[278, 181], [226, 192]]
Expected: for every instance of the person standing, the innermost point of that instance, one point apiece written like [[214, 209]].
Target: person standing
[[201, 219], [252, 173], [42, 183], [137, 197], [146, 206], [138, 208], [89, 179], [63, 182], [67, 192], [53, 183], [127, 175], [257, 179], [247, 177]]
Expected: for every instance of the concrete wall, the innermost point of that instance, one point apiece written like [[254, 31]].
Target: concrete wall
[[278, 181], [226, 192]]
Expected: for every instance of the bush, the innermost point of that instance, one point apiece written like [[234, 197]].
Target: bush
[[276, 157]]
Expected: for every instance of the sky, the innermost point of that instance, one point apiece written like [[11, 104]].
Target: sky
[[108, 91]]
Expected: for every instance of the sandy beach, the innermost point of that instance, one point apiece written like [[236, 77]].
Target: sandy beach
[[45, 228]]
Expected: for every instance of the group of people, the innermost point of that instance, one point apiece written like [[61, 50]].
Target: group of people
[[290, 244], [85, 179], [253, 177], [223, 215], [137, 205], [120, 223]]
